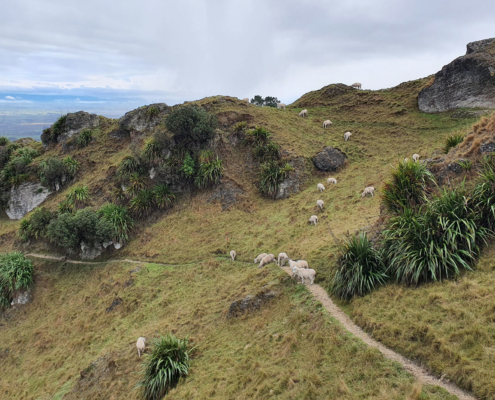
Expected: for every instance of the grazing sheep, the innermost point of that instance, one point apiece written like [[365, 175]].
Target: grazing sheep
[[266, 260], [368, 190], [415, 157], [232, 254], [332, 180], [259, 258], [141, 345], [347, 136], [303, 113], [327, 123], [320, 187], [313, 219], [299, 264], [282, 258], [281, 105], [320, 204], [304, 273], [246, 100], [356, 85]]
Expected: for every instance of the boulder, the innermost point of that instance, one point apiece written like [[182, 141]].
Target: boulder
[[76, 123], [25, 198], [467, 82], [251, 303], [142, 119], [22, 297], [89, 252], [329, 159]]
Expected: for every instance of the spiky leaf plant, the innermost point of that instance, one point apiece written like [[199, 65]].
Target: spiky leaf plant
[[258, 136], [84, 138], [484, 194], [168, 361], [452, 141], [16, 273], [136, 183], [127, 166], [209, 173], [240, 126], [271, 175], [142, 203], [71, 166], [152, 152], [120, 219], [162, 195], [360, 268]]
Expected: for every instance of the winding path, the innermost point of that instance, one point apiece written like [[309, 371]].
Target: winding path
[[321, 295]]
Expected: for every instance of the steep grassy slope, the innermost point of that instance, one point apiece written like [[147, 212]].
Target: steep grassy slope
[[68, 344]]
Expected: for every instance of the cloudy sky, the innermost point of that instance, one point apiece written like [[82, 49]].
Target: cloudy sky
[[172, 51]]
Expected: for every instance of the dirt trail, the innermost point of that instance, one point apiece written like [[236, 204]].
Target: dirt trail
[[321, 295]]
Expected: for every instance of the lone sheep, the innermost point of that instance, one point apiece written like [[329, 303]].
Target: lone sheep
[[320, 187], [259, 258], [313, 219], [332, 180], [304, 273], [303, 113], [415, 157], [347, 136], [281, 105], [299, 264], [320, 204], [266, 260], [327, 123], [368, 190], [246, 100], [356, 85], [282, 258], [233, 254], [141, 345]]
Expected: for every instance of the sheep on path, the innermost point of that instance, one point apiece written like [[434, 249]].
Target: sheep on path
[[282, 258], [266, 260], [320, 204], [347, 136], [304, 273], [332, 180], [320, 187], [246, 100], [232, 254], [259, 258], [313, 219], [303, 113], [368, 190], [141, 345], [281, 105], [299, 264], [356, 85], [415, 157], [327, 123]]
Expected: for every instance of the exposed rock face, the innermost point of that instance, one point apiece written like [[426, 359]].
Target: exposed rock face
[[90, 252], [293, 182], [76, 123], [142, 119], [330, 159], [251, 303], [468, 81], [23, 297], [25, 198], [227, 193]]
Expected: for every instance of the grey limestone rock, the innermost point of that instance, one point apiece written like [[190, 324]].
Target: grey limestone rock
[[25, 198]]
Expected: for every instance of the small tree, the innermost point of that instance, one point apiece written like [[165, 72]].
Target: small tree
[[271, 101], [191, 125], [258, 101]]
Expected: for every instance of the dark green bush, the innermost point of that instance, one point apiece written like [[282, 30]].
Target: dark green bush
[[84, 138], [209, 173], [3, 141], [164, 366], [452, 141], [360, 268], [16, 273], [35, 226], [271, 175], [51, 172], [120, 219], [191, 125]]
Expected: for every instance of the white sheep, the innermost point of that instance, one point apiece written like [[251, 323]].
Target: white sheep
[[304, 273], [406, 159], [141, 345], [320, 187], [281, 105], [415, 157], [332, 180], [260, 256], [246, 100], [356, 85], [327, 123], [320, 204], [303, 113], [347, 136], [299, 264], [233, 254], [282, 258], [313, 219], [266, 260], [368, 190]]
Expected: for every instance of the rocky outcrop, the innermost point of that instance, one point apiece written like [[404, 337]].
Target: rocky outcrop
[[25, 198], [468, 81], [329, 159], [293, 182], [251, 303], [142, 119], [22, 297], [73, 124], [226, 193]]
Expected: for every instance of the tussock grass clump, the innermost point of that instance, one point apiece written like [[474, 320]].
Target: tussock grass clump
[[152, 152], [142, 204], [168, 362], [408, 187], [71, 166], [452, 141], [75, 199], [240, 126], [258, 136], [162, 196], [84, 138], [360, 270], [271, 176], [136, 183], [16, 273], [128, 166], [484, 194], [120, 219], [209, 173]]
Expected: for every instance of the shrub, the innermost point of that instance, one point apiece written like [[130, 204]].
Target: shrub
[[209, 173], [58, 127], [120, 219], [408, 187], [71, 166], [258, 136], [142, 203], [271, 101], [483, 197], [75, 199], [51, 172], [162, 196], [84, 138], [267, 151], [16, 273], [452, 141], [127, 166], [36, 225], [435, 242], [240, 126], [16, 170], [3, 141], [152, 152], [136, 183], [191, 124], [187, 168], [360, 268], [27, 153], [168, 362], [271, 175]]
